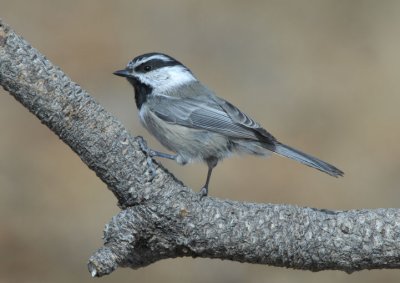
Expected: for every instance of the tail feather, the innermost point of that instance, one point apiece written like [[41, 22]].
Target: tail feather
[[307, 159]]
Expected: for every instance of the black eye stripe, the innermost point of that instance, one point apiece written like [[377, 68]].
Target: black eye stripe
[[155, 64]]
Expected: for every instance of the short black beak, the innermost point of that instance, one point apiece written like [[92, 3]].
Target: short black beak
[[123, 73]]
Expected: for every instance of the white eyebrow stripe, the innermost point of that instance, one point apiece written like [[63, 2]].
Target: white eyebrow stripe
[[157, 56], [146, 59]]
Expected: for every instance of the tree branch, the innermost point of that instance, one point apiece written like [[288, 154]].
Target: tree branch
[[161, 218]]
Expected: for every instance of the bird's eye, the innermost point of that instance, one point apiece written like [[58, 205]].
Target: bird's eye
[[147, 68]]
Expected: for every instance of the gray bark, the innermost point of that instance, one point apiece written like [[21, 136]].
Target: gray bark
[[161, 218]]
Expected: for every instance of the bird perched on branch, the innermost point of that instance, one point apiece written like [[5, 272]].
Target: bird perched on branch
[[190, 120]]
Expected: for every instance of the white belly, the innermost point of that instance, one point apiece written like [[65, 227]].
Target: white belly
[[190, 144]]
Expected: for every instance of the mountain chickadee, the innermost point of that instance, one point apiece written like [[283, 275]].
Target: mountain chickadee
[[190, 120]]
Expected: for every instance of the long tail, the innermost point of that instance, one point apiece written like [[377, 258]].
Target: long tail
[[306, 159]]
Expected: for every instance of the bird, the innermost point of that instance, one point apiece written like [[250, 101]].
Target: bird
[[189, 119]]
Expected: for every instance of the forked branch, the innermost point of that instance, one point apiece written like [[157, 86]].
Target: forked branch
[[161, 218]]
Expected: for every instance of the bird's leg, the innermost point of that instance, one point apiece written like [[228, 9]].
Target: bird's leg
[[152, 153], [204, 190], [211, 162]]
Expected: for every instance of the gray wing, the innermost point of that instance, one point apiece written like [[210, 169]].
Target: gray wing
[[208, 113], [241, 118]]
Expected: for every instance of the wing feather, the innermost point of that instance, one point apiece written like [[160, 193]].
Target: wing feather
[[241, 118], [202, 113]]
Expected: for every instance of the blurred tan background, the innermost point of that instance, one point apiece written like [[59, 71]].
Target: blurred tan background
[[323, 76]]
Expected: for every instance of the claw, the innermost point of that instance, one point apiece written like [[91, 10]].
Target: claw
[[203, 192], [152, 169], [152, 153], [149, 153], [143, 144]]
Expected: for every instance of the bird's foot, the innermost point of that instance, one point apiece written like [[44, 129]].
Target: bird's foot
[[149, 154], [203, 192], [153, 153]]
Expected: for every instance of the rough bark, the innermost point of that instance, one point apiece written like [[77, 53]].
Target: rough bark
[[161, 218]]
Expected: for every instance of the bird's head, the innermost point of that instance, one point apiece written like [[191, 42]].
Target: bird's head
[[159, 72]]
